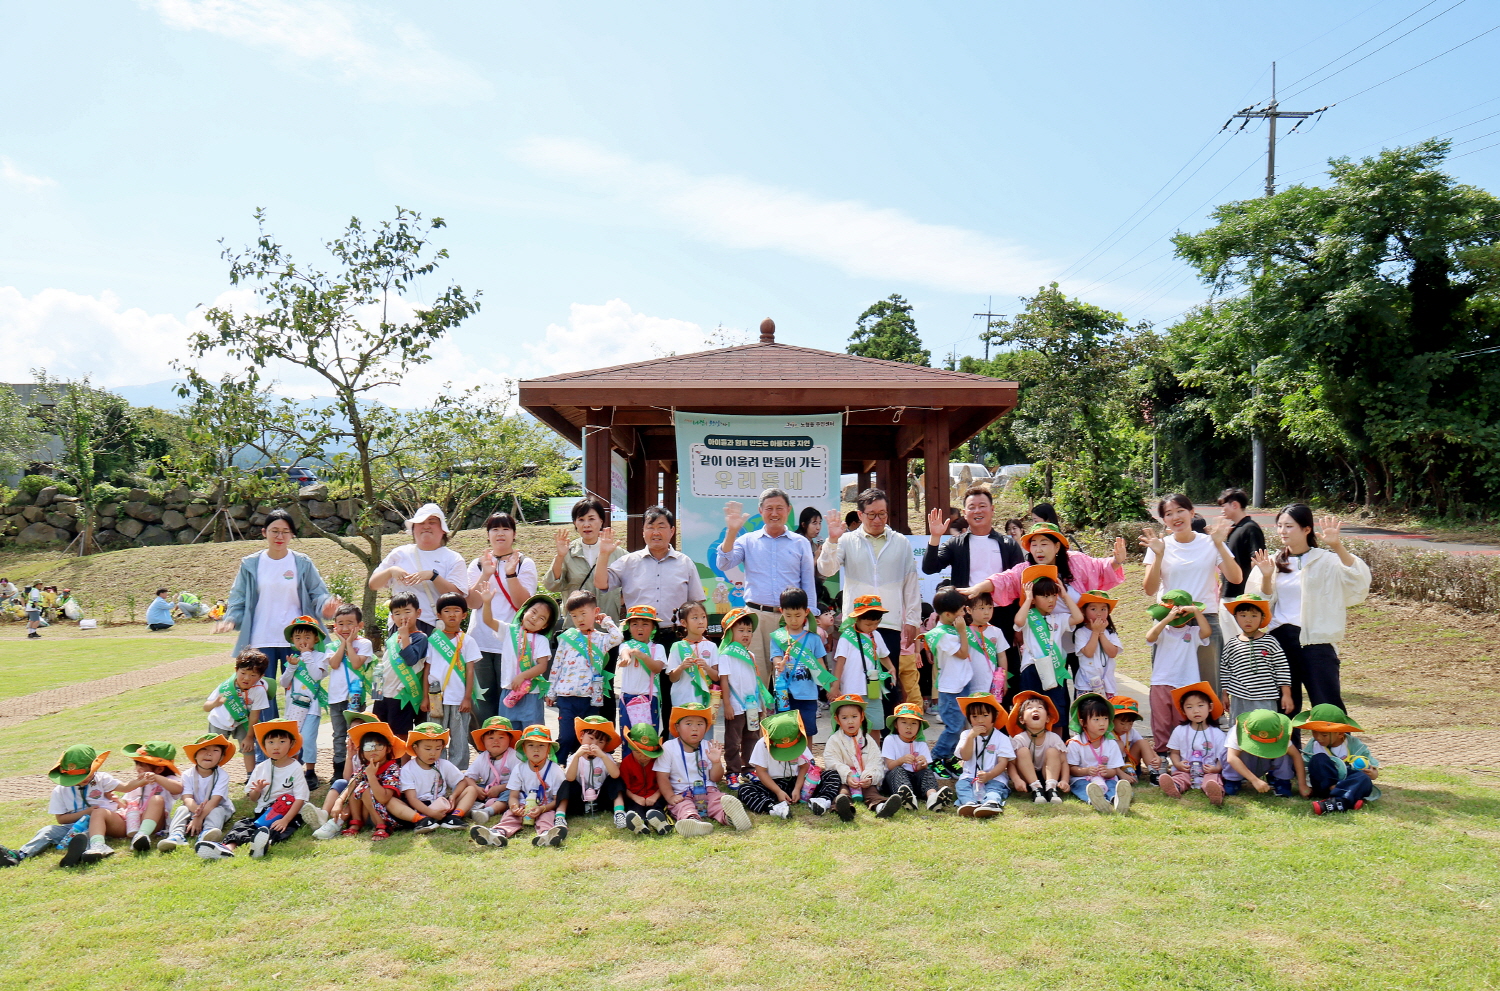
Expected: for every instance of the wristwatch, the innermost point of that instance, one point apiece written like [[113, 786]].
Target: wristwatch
[[434, 575]]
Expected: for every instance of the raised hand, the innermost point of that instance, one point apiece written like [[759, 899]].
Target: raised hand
[[1152, 540], [560, 540], [937, 522], [735, 516], [836, 528], [486, 563], [1220, 530], [1119, 552], [1330, 531], [607, 543], [1261, 560]]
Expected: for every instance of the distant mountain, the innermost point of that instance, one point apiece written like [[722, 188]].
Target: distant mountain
[[162, 395]]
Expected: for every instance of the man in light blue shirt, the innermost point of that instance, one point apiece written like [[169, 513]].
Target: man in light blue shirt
[[159, 613], [774, 559]]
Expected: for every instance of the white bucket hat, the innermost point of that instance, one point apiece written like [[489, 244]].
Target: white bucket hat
[[427, 512]]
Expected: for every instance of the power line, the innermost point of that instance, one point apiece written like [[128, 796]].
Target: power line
[[1362, 44], [1476, 151], [1418, 65]]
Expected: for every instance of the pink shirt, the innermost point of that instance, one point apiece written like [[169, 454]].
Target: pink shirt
[[1089, 574]]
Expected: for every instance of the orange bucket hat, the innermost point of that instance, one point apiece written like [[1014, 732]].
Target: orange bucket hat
[[1217, 707], [1013, 721]]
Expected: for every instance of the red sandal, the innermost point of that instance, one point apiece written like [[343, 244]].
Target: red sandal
[[382, 834], [355, 825]]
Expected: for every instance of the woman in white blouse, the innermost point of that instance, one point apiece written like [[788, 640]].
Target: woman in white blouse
[[515, 579]]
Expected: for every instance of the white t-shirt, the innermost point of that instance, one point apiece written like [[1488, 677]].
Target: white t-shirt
[[432, 782], [500, 607], [528, 784], [1193, 566], [954, 672], [682, 689], [438, 666], [1081, 754], [1203, 746], [1096, 671], [997, 746], [96, 794], [342, 679], [685, 767], [985, 558], [1060, 624], [510, 667], [1175, 662], [286, 780], [982, 677], [893, 747], [200, 789], [635, 678], [859, 669], [219, 717], [277, 601], [315, 662], [448, 563], [590, 773], [485, 770], [1286, 610], [1134, 736], [742, 684], [761, 757]]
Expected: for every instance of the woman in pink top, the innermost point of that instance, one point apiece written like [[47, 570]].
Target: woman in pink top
[[1046, 544]]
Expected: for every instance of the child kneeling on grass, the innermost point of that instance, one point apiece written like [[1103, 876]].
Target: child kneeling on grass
[[1195, 750], [908, 760], [785, 772], [279, 790], [534, 786], [854, 755], [205, 805], [148, 800], [591, 781], [1094, 758], [986, 753], [1259, 746], [689, 773], [483, 792], [645, 808], [1340, 769], [429, 780], [84, 805], [1041, 755]]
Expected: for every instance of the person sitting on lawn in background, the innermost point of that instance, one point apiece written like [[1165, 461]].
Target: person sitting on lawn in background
[[159, 612], [306, 696], [534, 786], [429, 780], [1196, 748], [784, 771], [1253, 668], [1098, 645], [591, 779], [908, 760], [1140, 760], [986, 753], [338, 803], [149, 798], [1259, 746], [1041, 763], [645, 808], [85, 807], [375, 796], [483, 792], [276, 786], [1094, 758], [1341, 771], [233, 708], [854, 755], [689, 773], [205, 805]]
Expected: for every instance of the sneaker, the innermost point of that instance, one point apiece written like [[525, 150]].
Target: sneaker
[[989, 810], [479, 815], [1170, 787], [1359, 803], [424, 825], [259, 844], [169, 843], [620, 819], [1054, 795], [636, 824], [1215, 791], [736, 814], [9, 857], [1095, 792], [819, 806], [1282, 787], [1124, 793], [944, 798], [141, 843], [658, 821], [1232, 787], [213, 851], [485, 836], [328, 830], [453, 821], [1039, 793], [1322, 808], [843, 807], [694, 827], [73, 856], [96, 852], [552, 837], [321, 815], [211, 836], [967, 810], [907, 796], [781, 810], [312, 780], [889, 807], [1154, 777]]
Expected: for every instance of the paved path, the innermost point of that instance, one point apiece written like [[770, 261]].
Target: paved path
[[23, 707], [1415, 541]]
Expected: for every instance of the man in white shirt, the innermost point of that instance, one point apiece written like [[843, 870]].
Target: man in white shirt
[[426, 566], [876, 560]]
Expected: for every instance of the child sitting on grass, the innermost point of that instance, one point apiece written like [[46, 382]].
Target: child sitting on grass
[[429, 780], [1195, 750], [986, 753], [1098, 645], [854, 755], [483, 791], [278, 789], [335, 811], [375, 796], [534, 786], [306, 696], [785, 772], [1140, 760], [233, 707], [591, 779], [206, 805], [689, 773], [1041, 763], [907, 763], [1094, 758], [1341, 771], [84, 805], [1253, 668], [645, 808], [1259, 746], [148, 800], [797, 658]]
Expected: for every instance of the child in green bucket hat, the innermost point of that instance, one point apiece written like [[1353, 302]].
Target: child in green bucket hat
[[1341, 771], [150, 797], [85, 809], [1181, 628], [1095, 764], [1259, 746], [785, 772], [645, 808], [908, 763]]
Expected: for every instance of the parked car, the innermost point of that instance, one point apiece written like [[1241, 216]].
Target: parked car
[[297, 473]]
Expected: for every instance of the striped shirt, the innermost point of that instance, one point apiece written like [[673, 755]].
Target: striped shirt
[[1254, 669]]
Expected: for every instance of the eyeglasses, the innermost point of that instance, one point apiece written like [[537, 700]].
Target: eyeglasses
[[873, 516]]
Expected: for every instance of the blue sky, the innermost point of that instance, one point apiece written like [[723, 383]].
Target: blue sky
[[622, 179]]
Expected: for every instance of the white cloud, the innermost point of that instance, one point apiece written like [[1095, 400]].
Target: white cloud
[[605, 334], [861, 240], [364, 44], [13, 175]]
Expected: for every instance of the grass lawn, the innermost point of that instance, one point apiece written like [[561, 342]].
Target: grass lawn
[[28, 666]]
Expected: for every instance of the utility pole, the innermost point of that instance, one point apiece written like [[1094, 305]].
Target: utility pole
[[1271, 113], [989, 323]]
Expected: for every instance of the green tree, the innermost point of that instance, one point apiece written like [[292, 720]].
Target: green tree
[[94, 428], [19, 439], [887, 330]]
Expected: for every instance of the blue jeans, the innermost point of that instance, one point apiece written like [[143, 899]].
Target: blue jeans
[[1080, 788], [1323, 777], [953, 724], [46, 838], [625, 721], [808, 709], [569, 708], [530, 711], [309, 731], [277, 656], [994, 789]]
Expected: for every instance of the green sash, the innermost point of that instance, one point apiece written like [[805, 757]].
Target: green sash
[[234, 702], [520, 643], [737, 651], [449, 651], [411, 685], [311, 684], [985, 645], [796, 650], [680, 652], [1042, 633], [329, 647], [848, 632], [581, 644]]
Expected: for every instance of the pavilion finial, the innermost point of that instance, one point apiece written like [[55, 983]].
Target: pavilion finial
[[768, 331]]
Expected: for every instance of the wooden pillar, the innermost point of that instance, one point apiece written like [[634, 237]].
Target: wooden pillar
[[636, 486], [895, 491], [596, 455], [669, 486], [861, 481], [935, 455], [881, 478]]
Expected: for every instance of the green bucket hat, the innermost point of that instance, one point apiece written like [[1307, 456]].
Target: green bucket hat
[[155, 753], [544, 599], [643, 739], [356, 717], [1264, 733], [76, 764], [785, 735], [1326, 718], [303, 623], [1176, 597], [1075, 725]]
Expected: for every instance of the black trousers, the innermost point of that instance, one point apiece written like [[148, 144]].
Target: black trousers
[[921, 781], [892, 695], [758, 798], [570, 798], [396, 714]]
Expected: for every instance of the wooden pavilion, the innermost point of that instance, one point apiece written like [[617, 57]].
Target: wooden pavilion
[[892, 412]]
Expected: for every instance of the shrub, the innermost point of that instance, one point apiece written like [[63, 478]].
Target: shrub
[[1465, 581], [32, 484], [105, 492]]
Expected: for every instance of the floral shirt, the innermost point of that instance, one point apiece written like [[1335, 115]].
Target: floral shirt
[[573, 670]]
